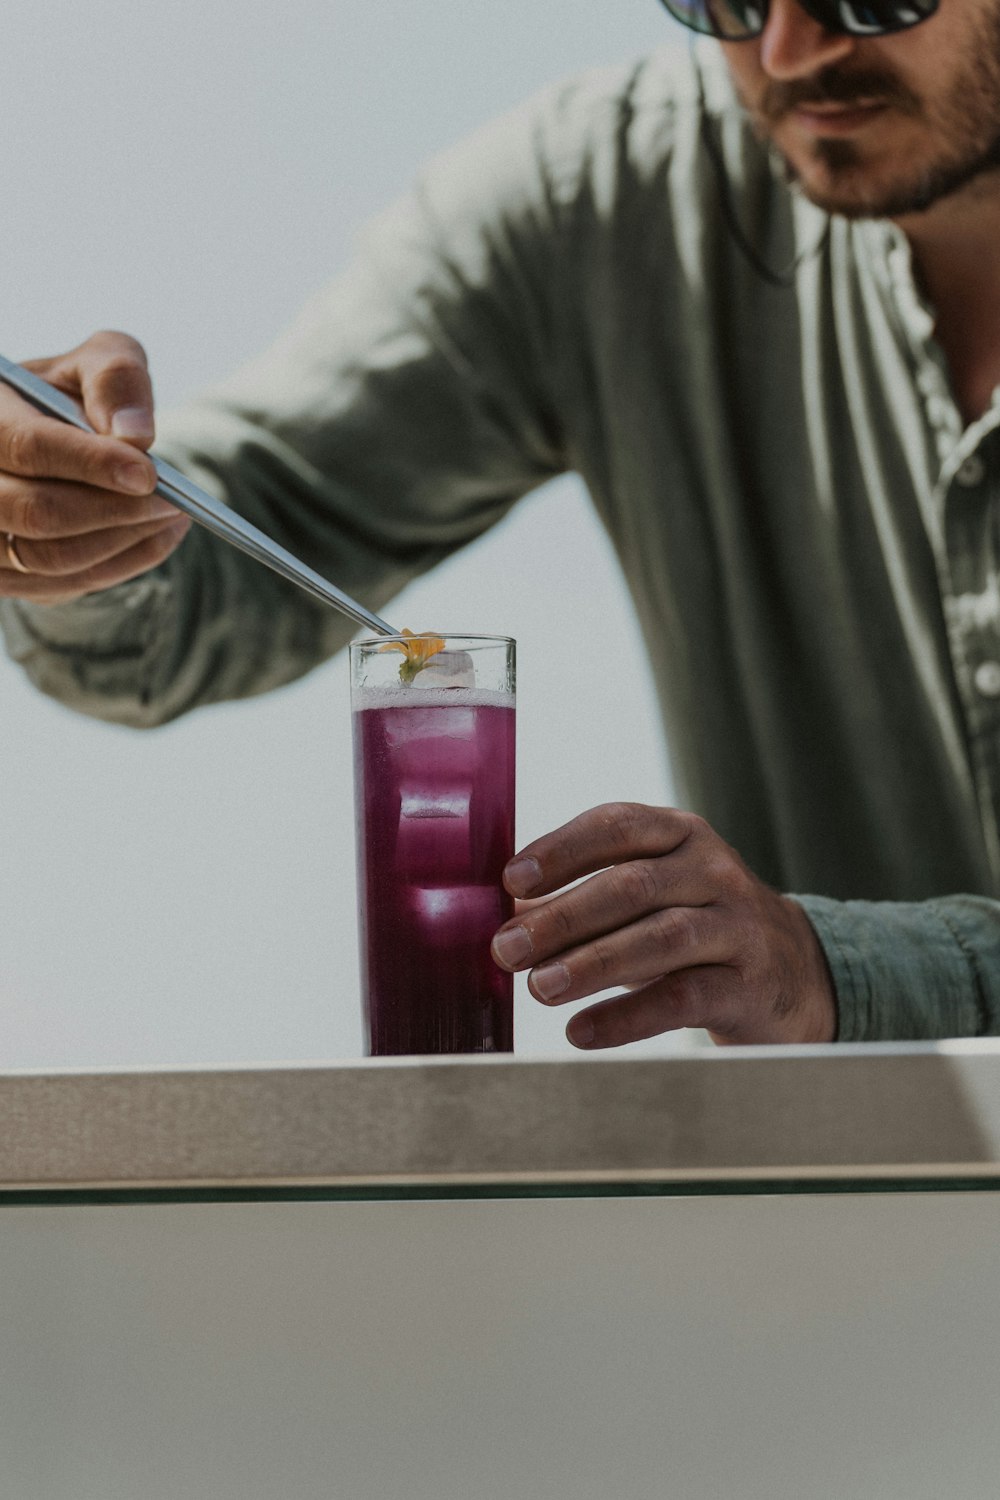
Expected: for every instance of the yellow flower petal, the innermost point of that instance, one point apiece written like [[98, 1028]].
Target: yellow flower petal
[[417, 649]]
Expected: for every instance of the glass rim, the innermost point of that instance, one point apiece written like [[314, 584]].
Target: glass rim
[[446, 636]]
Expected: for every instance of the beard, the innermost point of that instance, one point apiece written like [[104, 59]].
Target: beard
[[964, 128]]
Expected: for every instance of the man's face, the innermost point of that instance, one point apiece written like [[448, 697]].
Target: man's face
[[878, 127]]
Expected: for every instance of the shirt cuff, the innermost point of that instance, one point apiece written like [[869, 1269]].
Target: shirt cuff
[[98, 654], [88, 624], [909, 970]]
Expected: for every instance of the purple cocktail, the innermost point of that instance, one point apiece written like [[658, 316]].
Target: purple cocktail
[[434, 787]]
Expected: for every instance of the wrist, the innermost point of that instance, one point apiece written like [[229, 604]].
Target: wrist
[[817, 1010]]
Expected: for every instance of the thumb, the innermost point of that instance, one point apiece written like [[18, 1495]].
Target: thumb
[[110, 373]]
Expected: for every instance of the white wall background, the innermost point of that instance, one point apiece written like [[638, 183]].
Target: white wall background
[[190, 172]]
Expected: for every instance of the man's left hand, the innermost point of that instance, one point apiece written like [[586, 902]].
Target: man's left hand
[[672, 913]]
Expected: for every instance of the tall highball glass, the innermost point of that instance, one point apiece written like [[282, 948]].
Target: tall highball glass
[[434, 807]]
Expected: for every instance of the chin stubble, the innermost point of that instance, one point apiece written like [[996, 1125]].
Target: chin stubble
[[965, 128]]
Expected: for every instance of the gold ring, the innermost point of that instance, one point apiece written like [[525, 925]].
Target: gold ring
[[10, 547]]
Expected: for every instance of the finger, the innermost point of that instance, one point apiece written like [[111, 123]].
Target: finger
[[677, 938], [70, 557], [41, 509], [37, 446], [602, 836], [689, 997], [531, 903], [111, 375], [613, 899], [129, 564]]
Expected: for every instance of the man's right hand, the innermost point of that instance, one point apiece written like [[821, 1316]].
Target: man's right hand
[[77, 510]]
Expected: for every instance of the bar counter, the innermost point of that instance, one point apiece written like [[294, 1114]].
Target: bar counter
[[918, 1116]]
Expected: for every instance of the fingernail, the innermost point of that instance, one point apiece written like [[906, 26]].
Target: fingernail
[[580, 1031], [134, 479], [511, 947], [522, 875], [551, 981], [162, 510], [132, 422]]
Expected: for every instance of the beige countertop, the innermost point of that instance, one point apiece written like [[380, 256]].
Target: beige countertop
[[747, 1119]]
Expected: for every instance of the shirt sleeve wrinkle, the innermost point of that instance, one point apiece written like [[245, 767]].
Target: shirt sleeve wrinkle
[[485, 314], [964, 916], [912, 970]]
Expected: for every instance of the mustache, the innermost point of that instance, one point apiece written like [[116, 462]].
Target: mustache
[[834, 86]]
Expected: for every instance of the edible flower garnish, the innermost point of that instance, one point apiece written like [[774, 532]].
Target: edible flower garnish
[[417, 651]]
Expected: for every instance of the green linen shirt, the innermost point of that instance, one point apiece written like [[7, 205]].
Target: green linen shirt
[[809, 533]]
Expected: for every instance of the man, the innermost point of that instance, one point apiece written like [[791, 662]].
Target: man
[[781, 400]]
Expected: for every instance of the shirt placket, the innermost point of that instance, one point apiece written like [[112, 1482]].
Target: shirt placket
[[970, 576], [962, 520]]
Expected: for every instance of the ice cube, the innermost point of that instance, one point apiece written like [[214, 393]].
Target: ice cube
[[414, 732], [450, 916], [434, 839], [435, 802], [448, 669]]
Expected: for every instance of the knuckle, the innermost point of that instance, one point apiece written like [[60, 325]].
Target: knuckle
[[88, 580], [695, 826], [675, 930], [647, 1013], [42, 558], [554, 922], [119, 369], [724, 1030], [723, 873], [128, 352], [146, 555], [22, 448], [686, 996], [636, 884], [23, 505], [603, 960], [623, 820], [57, 558], [119, 366], [34, 513]]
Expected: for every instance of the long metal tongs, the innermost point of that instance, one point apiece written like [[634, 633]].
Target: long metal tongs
[[200, 505]]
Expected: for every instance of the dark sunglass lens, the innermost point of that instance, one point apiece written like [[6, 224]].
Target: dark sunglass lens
[[737, 19], [871, 17], [690, 13], [730, 20]]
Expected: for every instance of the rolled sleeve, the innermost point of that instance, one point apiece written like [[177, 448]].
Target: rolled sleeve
[[98, 654], [909, 970]]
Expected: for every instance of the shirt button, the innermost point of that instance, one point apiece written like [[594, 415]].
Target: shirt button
[[971, 472], [987, 679]]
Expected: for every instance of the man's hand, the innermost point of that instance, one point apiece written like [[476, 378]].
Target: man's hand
[[674, 915], [80, 508]]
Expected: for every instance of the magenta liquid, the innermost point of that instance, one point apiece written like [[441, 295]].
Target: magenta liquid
[[434, 788]]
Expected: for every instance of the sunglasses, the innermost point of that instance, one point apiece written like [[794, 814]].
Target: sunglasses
[[740, 20]]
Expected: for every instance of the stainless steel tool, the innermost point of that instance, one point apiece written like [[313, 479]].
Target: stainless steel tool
[[201, 506]]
